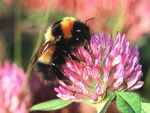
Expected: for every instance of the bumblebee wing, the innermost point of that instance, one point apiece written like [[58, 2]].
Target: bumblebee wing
[[41, 50]]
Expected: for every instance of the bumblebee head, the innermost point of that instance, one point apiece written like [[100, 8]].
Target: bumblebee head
[[80, 32], [71, 30]]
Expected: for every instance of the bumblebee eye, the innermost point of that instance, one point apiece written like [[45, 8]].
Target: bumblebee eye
[[59, 37], [78, 30], [77, 39]]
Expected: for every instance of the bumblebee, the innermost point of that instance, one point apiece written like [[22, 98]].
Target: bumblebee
[[61, 38]]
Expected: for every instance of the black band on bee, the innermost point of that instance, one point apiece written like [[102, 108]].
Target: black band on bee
[[63, 37], [57, 31]]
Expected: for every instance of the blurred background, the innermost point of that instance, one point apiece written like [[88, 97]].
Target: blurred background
[[24, 22]]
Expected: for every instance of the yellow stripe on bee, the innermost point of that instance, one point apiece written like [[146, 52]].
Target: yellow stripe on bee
[[48, 35], [46, 57], [67, 26]]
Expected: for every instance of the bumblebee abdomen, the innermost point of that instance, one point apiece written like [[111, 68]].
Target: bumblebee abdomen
[[50, 72]]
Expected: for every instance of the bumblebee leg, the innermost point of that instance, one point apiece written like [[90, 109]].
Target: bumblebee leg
[[74, 57], [71, 56], [86, 46], [57, 73]]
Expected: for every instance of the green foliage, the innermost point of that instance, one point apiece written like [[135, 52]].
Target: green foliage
[[107, 103], [39, 18], [36, 18], [2, 5], [51, 105], [128, 102], [145, 107]]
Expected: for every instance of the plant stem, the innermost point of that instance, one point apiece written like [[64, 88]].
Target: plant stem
[[103, 105], [38, 43], [17, 34], [119, 23]]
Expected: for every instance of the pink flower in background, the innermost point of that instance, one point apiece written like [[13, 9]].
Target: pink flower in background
[[9, 2], [12, 100], [108, 66], [137, 23], [40, 5], [130, 16]]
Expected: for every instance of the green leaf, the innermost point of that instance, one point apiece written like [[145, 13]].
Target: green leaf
[[51, 105], [145, 107], [128, 102]]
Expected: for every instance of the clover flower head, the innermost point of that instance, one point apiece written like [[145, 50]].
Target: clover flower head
[[11, 81], [106, 66]]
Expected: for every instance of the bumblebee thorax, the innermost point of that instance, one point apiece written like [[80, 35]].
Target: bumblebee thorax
[[67, 25]]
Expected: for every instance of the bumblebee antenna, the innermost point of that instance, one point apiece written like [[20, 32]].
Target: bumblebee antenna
[[89, 20]]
